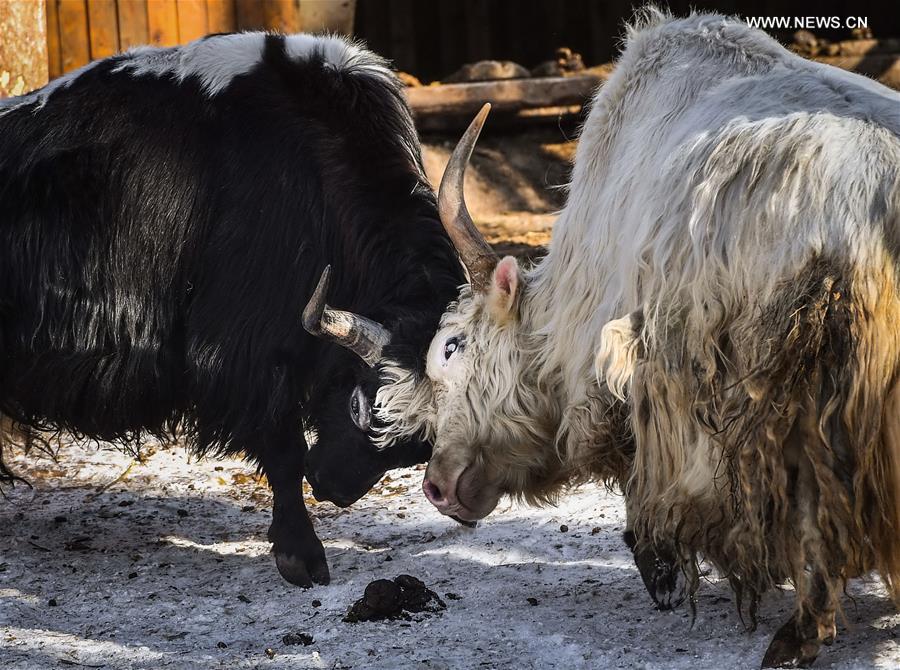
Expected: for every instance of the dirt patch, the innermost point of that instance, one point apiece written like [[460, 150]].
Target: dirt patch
[[515, 185]]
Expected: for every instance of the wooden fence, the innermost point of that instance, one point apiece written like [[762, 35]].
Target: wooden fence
[[79, 31], [428, 38]]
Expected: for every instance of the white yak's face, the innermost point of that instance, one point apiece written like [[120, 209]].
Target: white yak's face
[[478, 402], [488, 438]]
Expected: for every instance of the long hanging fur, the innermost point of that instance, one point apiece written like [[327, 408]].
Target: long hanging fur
[[763, 259]]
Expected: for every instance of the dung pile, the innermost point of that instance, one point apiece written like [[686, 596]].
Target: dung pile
[[394, 599]]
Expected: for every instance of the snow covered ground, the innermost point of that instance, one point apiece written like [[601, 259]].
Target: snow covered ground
[[168, 567]]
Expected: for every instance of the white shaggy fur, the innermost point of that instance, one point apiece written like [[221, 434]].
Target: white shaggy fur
[[219, 59]]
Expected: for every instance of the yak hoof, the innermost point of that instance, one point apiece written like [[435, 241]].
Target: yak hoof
[[302, 571], [661, 576], [788, 650], [301, 561]]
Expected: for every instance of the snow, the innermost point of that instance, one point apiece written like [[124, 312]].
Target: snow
[[168, 567]]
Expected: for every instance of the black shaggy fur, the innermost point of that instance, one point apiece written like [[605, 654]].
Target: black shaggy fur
[[158, 244]]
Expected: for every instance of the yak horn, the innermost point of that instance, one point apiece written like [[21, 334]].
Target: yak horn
[[362, 336], [474, 251]]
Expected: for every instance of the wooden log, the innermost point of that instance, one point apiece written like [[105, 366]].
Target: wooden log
[[162, 22], [133, 29], [104, 28], [23, 47], [221, 16], [54, 56], [192, 20], [883, 67], [506, 96], [862, 47], [75, 46]]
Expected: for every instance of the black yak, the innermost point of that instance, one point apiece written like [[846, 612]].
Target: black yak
[[165, 215]]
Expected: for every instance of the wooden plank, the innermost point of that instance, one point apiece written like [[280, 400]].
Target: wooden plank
[[162, 22], [281, 16], [251, 15], [403, 30], [192, 20], [506, 96], [103, 25], [478, 35], [452, 19], [221, 16], [75, 46], [54, 57], [23, 47], [133, 30]]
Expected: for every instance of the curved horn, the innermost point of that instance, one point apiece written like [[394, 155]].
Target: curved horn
[[362, 336], [475, 252]]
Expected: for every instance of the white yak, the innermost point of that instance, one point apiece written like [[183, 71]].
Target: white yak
[[741, 206]]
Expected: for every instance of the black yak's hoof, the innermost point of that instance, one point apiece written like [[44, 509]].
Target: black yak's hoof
[[660, 574], [789, 650], [302, 571], [299, 555]]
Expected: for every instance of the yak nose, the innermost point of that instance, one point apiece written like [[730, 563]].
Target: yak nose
[[434, 494]]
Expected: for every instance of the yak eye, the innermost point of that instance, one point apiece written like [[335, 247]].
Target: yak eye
[[452, 345], [359, 409]]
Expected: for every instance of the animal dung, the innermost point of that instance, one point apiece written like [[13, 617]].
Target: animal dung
[[294, 638], [394, 599]]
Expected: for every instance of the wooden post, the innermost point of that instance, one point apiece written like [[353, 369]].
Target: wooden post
[[23, 47]]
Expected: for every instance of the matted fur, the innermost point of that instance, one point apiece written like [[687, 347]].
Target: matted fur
[[759, 238], [745, 203]]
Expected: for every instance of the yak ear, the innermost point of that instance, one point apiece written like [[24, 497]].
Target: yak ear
[[504, 289]]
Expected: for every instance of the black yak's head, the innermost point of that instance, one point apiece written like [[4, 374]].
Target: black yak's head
[[343, 462]]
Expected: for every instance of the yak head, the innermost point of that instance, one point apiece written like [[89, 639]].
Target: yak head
[[480, 401], [343, 462]]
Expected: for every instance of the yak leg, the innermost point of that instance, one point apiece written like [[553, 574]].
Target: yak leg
[[659, 570], [797, 642], [299, 554]]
